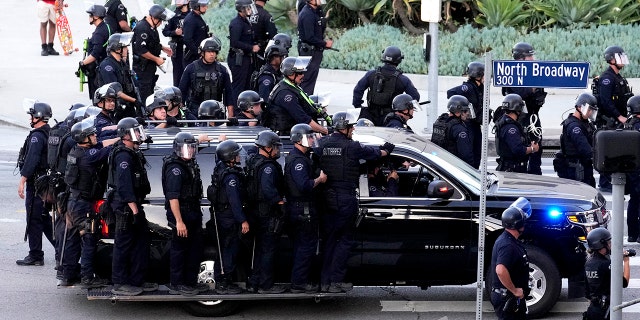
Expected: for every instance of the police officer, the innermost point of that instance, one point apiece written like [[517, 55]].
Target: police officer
[[242, 47], [633, 179], [383, 83], [86, 177], [597, 270], [534, 98], [147, 48], [263, 29], [612, 91], [194, 30], [128, 179], [312, 24], [156, 110], [211, 110], [227, 195], [114, 68], [281, 39], [173, 97], [288, 102], [174, 30], [381, 185], [269, 74], [32, 162], [576, 141], [265, 184], [302, 182], [105, 98], [473, 90], [206, 78], [182, 189], [96, 50], [451, 131], [403, 106], [339, 159], [511, 140], [510, 266], [117, 16], [250, 103]]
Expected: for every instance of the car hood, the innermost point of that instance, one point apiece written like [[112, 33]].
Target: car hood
[[528, 185]]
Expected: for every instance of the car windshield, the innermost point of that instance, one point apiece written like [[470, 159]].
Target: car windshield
[[459, 169]]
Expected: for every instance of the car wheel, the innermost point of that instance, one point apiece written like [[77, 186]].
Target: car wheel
[[545, 280], [218, 308]]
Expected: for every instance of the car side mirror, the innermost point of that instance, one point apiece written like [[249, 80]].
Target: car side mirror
[[439, 189]]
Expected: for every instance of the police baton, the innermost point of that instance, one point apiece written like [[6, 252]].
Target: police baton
[[334, 49], [215, 223], [161, 66], [424, 102]]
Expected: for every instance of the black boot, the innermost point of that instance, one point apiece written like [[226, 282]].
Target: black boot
[[51, 50], [45, 50]]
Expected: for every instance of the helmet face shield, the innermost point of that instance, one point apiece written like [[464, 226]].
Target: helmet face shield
[[621, 58], [167, 15], [301, 64], [125, 38], [471, 112], [585, 108], [523, 205], [310, 140], [188, 149], [137, 134], [415, 105]]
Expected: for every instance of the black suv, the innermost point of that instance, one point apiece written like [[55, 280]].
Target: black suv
[[419, 238]]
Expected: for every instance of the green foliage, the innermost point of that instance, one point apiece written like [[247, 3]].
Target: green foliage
[[358, 5], [218, 19], [281, 10], [570, 12], [501, 13]]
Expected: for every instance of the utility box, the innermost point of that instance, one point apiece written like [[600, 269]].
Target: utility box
[[431, 10]]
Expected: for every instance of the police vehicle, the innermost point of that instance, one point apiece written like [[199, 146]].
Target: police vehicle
[[426, 236]]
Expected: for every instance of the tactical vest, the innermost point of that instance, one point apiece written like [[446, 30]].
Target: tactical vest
[[141, 185], [83, 180], [293, 193], [191, 188], [255, 165], [631, 123], [502, 149], [441, 132], [335, 163], [219, 199], [277, 118], [382, 89], [566, 145], [206, 85], [256, 75], [22, 155], [54, 143]]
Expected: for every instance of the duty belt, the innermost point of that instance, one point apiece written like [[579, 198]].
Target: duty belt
[[502, 291]]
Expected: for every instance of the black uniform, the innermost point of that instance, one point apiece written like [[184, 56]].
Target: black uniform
[[263, 30], [116, 12], [265, 182], [380, 186], [201, 81], [97, 47], [475, 94], [510, 253], [383, 84], [112, 70], [454, 135], [633, 186], [128, 178], [241, 57], [576, 143], [181, 181], [145, 39], [511, 146], [32, 163], [266, 80], [311, 27], [194, 30], [86, 178], [533, 98], [392, 120], [339, 159], [302, 212], [598, 274], [176, 44], [288, 106], [105, 120], [613, 91]]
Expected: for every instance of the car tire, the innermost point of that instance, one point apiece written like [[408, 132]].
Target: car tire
[[547, 283], [218, 308]]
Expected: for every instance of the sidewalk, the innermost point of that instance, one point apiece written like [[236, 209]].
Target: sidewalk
[[25, 74]]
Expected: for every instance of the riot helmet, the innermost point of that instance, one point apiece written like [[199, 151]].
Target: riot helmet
[[522, 50], [633, 105], [515, 215], [40, 110], [211, 110], [458, 103], [82, 130], [109, 90], [616, 53], [153, 103], [303, 133], [97, 10], [281, 39], [171, 94], [117, 41], [243, 5], [269, 139], [392, 55], [275, 50], [228, 150], [185, 145], [585, 102], [130, 126], [179, 3], [364, 122], [598, 238], [159, 12], [247, 99], [513, 103], [210, 44], [85, 112], [294, 65], [343, 120], [475, 70], [404, 102], [196, 4]]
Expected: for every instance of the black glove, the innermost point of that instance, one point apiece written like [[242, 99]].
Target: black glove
[[330, 130], [172, 121], [148, 140], [630, 253], [388, 147], [233, 121], [141, 121]]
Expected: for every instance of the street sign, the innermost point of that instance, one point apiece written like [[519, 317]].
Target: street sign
[[540, 74]]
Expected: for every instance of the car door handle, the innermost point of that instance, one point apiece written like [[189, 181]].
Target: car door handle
[[379, 215]]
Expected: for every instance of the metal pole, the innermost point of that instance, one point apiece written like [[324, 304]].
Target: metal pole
[[618, 181], [483, 176], [432, 108]]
